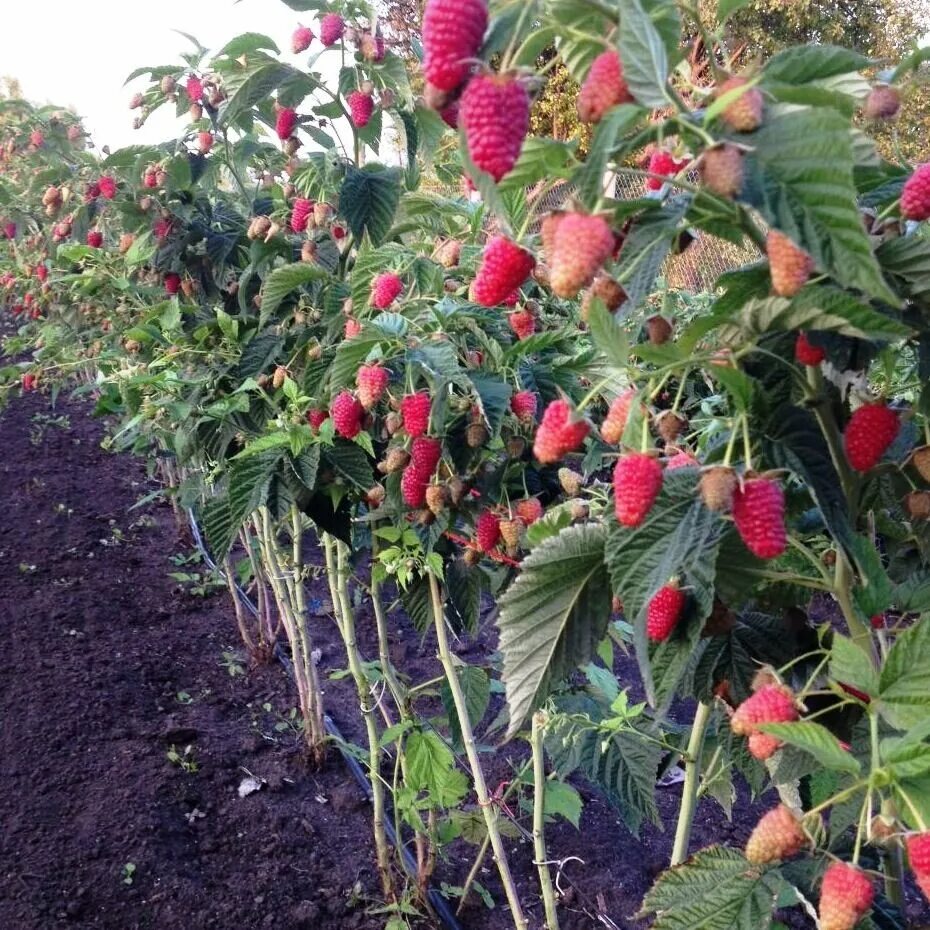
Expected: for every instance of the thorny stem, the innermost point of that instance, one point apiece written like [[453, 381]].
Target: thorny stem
[[539, 820], [692, 777]]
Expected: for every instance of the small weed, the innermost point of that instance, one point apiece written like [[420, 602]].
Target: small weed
[[26, 568], [184, 698], [43, 422], [232, 661], [128, 873], [198, 584], [184, 760]]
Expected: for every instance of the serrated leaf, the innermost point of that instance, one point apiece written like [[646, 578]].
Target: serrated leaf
[[726, 8], [368, 200], [552, 617], [851, 665], [476, 687], [248, 42], [816, 740], [282, 281], [904, 683], [562, 800], [351, 462], [608, 336], [258, 86], [645, 60], [615, 123], [801, 64], [219, 528]]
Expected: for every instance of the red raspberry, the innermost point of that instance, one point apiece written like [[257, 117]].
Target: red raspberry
[[413, 486], [869, 434], [559, 433], [487, 530], [300, 214], [150, 178], [529, 510], [580, 245], [161, 228], [777, 835], [603, 88], [37, 138], [915, 197], [789, 264], [361, 106], [347, 414], [172, 282], [806, 352], [615, 422], [453, 31], [759, 515], [523, 323], [107, 187], [524, 405], [352, 328], [372, 382], [95, 238], [316, 418], [42, 272], [637, 482], [495, 116], [204, 142], [682, 459], [845, 897], [450, 114], [332, 28], [286, 123], [385, 289], [425, 453], [770, 704], [664, 612], [918, 854], [415, 410], [300, 42], [504, 267], [194, 88], [744, 114], [9, 230], [662, 163]]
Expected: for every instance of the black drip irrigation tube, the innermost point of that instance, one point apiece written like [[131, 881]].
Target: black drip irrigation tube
[[435, 897]]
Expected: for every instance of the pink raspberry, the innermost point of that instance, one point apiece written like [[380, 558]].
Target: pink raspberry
[[347, 414], [452, 34], [385, 289], [107, 187], [759, 515], [286, 123], [495, 116], [194, 88], [662, 162], [559, 433], [300, 40], [300, 214], [332, 28], [95, 238], [487, 530], [504, 267], [637, 483], [415, 410], [524, 404], [361, 108]]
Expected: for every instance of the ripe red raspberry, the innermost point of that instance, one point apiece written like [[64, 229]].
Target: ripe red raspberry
[[150, 178], [790, 265], [453, 31], [347, 414], [450, 114], [664, 612], [759, 515], [558, 433], [37, 138], [161, 228], [92, 192], [316, 418], [529, 510], [682, 459], [194, 88], [637, 482], [580, 245], [9, 230], [487, 530], [722, 170], [42, 272], [107, 187], [352, 328], [332, 28], [777, 835], [95, 238], [495, 116], [204, 142], [744, 114], [385, 289], [29, 382], [415, 410], [915, 197], [806, 352], [523, 323], [845, 897], [300, 214], [172, 282], [361, 106], [869, 434], [425, 453], [413, 486], [504, 267], [615, 422], [918, 854], [372, 382], [603, 88], [300, 41], [286, 123], [770, 704], [662, 163], [524, 405]]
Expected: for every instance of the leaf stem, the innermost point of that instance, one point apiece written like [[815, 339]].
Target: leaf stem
[[692, 778]]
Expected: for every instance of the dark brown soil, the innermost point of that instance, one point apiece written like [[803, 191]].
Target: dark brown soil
[[107, 664]]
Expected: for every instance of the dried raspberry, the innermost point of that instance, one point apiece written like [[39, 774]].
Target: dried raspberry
[[664, 612], [777, 835], [918, 854], [425, 453], [361, 107], [637, 482], [580, 245], [300, 42], [658, 329], [437, 498], [759, 515], [347, 414], [883, 102], [603, 88], [606, 289], [476, 435], [920, 459], [614, 424], [722, 170], [453, 31], [415, 410], [495, 116], [286, 123], [744, 114], [300, 214], [332, 28], [523, 323], [413, 487], [664, 164], [487, 530], [510, 531], [524, 405], [385, 289], [790, 265], [845, 897], [372, 382], [316, 418], [717, 486], [670, 425], [772, 703], [806, 352], [504, 267], [558, 433], [529, 510], [869, 434]]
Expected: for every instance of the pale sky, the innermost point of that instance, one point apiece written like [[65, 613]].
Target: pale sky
[[79, 54]]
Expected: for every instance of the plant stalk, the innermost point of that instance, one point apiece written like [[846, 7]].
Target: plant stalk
[[692, 779], [539, 820]]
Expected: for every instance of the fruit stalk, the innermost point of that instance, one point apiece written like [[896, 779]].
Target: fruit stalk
[[539, 819], [690, 789]]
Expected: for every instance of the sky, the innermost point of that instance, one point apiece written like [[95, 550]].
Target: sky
[[79, 54]]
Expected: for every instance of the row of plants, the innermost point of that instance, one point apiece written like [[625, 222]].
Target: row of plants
[[467, 398]]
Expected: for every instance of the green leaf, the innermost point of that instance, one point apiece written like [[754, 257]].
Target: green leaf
[[913, 594], [851, 665], [562, 800], [645, 60], [726, 8], [906, 260], [608, 336], [368, 200], [904, 684], [285, 279], [351, 462], [816, 740], [801, 173], [801, 64], [477, 689], [219, 528], [258, 86], [716, 889], [552, 617], [616, 123], [248, 42], [431, 767]]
